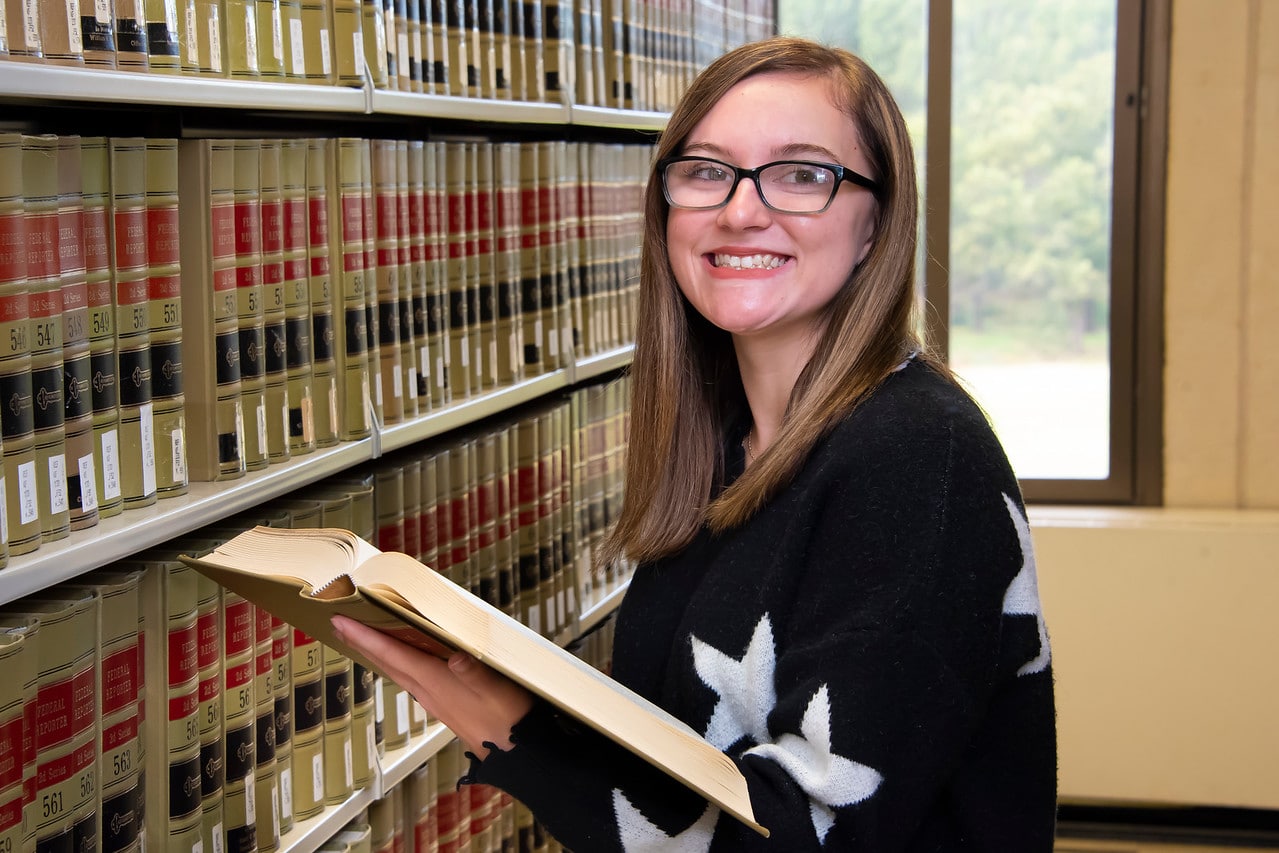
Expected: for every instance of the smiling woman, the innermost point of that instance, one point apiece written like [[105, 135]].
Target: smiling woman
[[836, 585]]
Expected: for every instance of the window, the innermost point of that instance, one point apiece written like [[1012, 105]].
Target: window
[[1033, 128]]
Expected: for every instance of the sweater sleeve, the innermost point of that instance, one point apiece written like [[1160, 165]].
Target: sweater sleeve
[[891, 691]]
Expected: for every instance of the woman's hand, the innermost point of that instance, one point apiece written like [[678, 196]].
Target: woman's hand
[[475, 702]]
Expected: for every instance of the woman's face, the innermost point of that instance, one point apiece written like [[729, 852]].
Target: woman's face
[[750, 270]]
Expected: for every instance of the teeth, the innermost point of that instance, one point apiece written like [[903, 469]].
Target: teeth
[[749, 262]]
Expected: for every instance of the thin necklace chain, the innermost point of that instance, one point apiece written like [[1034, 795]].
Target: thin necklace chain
[[750, 448]]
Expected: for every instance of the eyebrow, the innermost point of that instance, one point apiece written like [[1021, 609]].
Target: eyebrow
[[793, 149]]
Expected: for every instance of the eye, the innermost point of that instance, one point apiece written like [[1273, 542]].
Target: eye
[[705, 170], [801, 175]]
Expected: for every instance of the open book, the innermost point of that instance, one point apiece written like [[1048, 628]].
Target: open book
[[306, 576]]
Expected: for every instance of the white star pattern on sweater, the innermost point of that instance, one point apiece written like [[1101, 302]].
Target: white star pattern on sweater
[[1022, 596], [638, 835], [745, 687], [828, 779]]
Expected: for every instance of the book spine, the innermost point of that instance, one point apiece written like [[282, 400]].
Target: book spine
[[584, 44], [373, 49], [270, 39], [308, 726], [390, 376], [210, 321], [17, 421], [534, 361], [17, 755], [569, 225], [242, 39], [454, 228], [476, 331], [412, 486], [133, 339], [346, 214], [297, 302], [549, 556], [501, 25], [317, 45], [62, 39], [77, 373], [347, 27], [164, 286], [203, 36], [249, 308], [339, 767], [404, 262], [239, 722], [559, 51], [367, 739], [264, 810], [122, 680], [415, 35], [506, 552], [373, 354], [171, 641], [209, 626], [131, 35], [530, 607], [23, 29], [104, 386], [462, 513], [439, 351], [548, 255], [97, 29], [419, 810], [163, 38], [484, 517], [515, 68], [506, 248], [324, 334], [534, 54], [67, 722], [486, 46], [274, 313], [496, 367], [44, 329], [282, 700]]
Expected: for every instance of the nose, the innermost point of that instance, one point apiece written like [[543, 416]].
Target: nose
[[745, 208]]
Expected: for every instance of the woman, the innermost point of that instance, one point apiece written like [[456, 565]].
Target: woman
[[836, 582]]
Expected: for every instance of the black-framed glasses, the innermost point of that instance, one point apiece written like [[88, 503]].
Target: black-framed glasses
[[787, 186]]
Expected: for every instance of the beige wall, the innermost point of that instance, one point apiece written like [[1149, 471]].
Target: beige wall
[[1221, 380], [1162, 622]]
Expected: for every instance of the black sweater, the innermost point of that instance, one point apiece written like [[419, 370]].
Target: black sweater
[[869, 649]]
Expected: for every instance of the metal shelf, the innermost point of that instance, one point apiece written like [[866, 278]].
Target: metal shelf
[[306, 836], [30, 82], [397, 764], [385, 102], [608, 117], [601, 363]]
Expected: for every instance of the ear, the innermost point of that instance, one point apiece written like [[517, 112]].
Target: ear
[[870, 229]]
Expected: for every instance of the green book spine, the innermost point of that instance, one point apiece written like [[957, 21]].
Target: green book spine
[[265, 808], [97, 29], [389, 384], [239, 717], [437, 315], [347, 26], [163, 37], [132, 53], [282, 699], [17, 752], [203, 33], [294, 41], [270, 39], [317, 44], [241, 29], [346, 241], [308, 726]]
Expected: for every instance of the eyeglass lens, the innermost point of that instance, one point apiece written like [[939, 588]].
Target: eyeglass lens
[[791, 186]]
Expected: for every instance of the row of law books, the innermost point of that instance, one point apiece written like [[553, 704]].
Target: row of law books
[[197, 310], [147, 706], [634, 54]]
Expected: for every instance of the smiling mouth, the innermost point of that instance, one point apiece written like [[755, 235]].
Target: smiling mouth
[[749, 262]]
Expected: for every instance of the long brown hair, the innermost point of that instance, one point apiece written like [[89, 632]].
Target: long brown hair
[[686, 387]]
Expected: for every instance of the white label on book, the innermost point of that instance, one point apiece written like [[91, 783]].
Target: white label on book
[[4, 516], [74, 39], [401, 713], [412, 383], [567, 343], [439, 371], [516, 346], [379, 704], [193, 46], [275, 814], [466, 358], [402, 48], [250, 41], [317, 777], [197, 847], [364, 395], [397, 384], [358, 46], [308, 420], [250, 799], [177, 441], [171, 16], [88, 483], [57, 484], [493, 360], [260, 417], [277, 35], [372, 746], [284, 420], [4, 32], [102, 11], [110, 465], [348, 763], [215, 58], [333, 409], [286, 791], [31, 24], [537, 329], [218, 842], [377, 389], [534, 619], [147, 425], [552, 343], [295, 41], [326, 61], [28, 509], [418, 712], [424, 361]]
